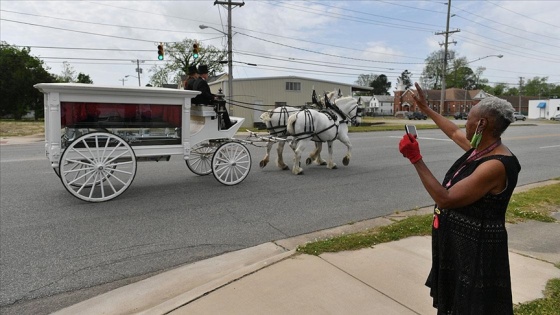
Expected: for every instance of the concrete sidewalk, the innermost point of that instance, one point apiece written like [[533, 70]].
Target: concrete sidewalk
[[273, 279]]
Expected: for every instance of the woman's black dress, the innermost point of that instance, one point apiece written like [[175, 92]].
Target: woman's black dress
[[470, 266]]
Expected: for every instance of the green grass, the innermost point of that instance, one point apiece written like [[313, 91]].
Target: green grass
[[535, 204], [549, 305], [13, 128], [411, 226]]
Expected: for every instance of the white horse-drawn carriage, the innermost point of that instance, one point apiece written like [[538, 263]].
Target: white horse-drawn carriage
[[95, 135]]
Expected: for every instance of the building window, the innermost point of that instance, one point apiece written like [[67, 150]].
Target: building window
[[293, 86]]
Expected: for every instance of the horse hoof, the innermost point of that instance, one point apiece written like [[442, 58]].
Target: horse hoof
[[262, 164], [345, 161], [300, 173], [285, 168], [334, 167], [308, 161], [323, 163]]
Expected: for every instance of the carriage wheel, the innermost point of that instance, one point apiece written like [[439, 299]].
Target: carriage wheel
[[231, 163], [200, 158], [97, 167]]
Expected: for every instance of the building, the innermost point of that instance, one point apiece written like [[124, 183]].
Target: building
[[456, 100], [543, 109], [520, 104], [253, 96], [382, 105]]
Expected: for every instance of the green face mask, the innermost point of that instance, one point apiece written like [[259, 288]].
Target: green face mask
[[477, 137], [475, 141]]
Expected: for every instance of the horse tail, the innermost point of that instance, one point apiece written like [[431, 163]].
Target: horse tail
[[266, 116], [291, 122]]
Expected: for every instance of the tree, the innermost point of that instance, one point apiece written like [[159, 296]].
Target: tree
[[68, 73], [380, 85], [499, 89], [365, 79], [405, 79], [178, 58], [84, 78], [19, 72], [537, 87], [432, 72]]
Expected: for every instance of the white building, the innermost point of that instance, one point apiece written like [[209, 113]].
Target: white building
[[543, 109], [253, 96]]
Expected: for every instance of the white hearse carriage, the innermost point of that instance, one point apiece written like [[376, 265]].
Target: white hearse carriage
[[95, 135]]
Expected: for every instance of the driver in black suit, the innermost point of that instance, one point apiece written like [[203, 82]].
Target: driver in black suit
[[206, 97]]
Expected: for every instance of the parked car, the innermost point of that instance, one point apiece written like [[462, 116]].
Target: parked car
[[555, 117], [459, 115], [519, 116], [415, 115]]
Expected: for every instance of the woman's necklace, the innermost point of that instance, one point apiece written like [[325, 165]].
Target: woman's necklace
[[475, 155]]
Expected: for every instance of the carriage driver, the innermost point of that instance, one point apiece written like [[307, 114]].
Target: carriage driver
[[192, 76], [206, 97]]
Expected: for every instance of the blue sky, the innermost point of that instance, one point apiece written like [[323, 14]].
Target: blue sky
[[330, 40]]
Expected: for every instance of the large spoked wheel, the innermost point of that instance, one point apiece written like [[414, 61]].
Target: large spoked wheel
[[200, 158], [97, 167], [231, 163]]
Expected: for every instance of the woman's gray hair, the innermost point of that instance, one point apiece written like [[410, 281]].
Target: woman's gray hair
[[500, 110]]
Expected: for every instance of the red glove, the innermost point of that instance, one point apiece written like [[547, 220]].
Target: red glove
[[409, 148]]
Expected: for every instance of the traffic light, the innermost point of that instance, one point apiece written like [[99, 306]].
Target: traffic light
[[195, 50], [160, 51]]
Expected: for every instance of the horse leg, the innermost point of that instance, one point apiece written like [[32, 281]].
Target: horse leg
[[330, 163], [299, 147], [318, 159], [280, 160], [265, 160], [313, 155], [346, 140]]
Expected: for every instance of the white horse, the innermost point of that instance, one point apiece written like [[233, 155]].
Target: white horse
[[276, 122], [323, 126]]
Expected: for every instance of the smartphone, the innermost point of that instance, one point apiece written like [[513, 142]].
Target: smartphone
[[411, 129]]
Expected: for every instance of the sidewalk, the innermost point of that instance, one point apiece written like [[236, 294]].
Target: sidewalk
[[273, 279]]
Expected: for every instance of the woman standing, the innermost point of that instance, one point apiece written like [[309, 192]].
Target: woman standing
[[470, 266]]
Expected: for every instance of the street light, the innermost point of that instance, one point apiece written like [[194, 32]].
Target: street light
[[230, 62], [499, 56]]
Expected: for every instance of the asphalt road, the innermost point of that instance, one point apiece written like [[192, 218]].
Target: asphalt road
[[57, 250]]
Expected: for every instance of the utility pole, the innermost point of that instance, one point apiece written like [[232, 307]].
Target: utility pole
[[520, 87], [138, 69], [229, 5], [446, 33]]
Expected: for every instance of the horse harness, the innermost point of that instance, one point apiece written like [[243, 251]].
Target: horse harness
[[281, 128], [309, 125]]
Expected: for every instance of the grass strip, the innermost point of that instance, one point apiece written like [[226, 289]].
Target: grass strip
[[13, 128], [549, 305], [411, 226], [535, 204]]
